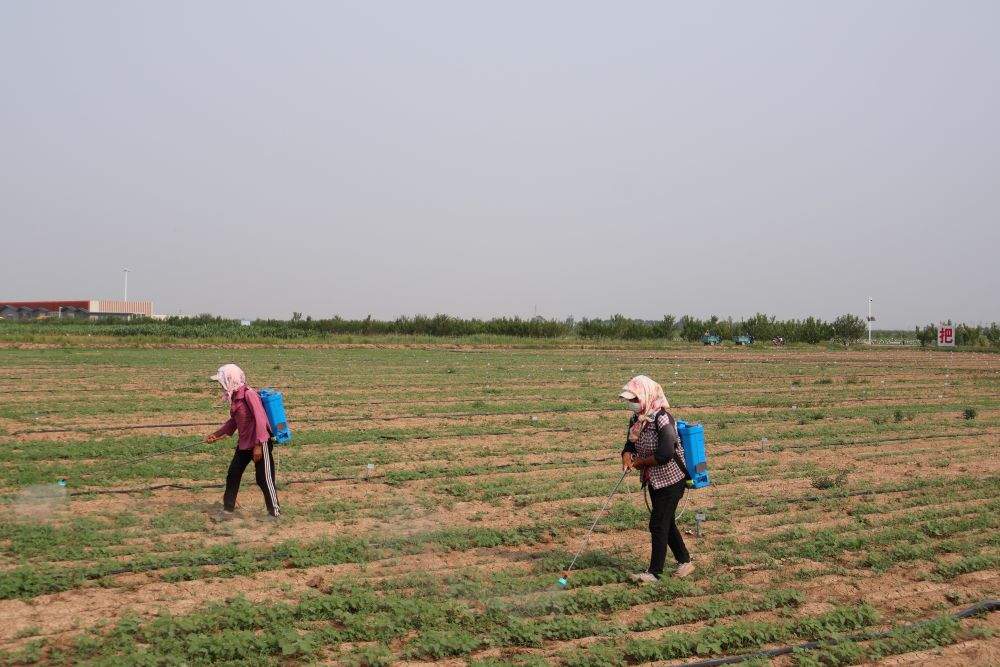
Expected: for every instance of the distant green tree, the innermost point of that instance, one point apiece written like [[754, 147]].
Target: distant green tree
[[760, 326], [849, 328], [666, 327], [993, 334], [927, 335], [723, 328], [812, 330], [692, 329]]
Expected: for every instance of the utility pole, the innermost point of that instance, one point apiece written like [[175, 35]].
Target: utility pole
[[125, 296], [870, 320]]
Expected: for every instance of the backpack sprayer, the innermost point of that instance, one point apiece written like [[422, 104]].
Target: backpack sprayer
[[274, 408], [692, 437]]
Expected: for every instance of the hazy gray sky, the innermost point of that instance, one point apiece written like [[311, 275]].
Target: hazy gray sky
[[255, 158]]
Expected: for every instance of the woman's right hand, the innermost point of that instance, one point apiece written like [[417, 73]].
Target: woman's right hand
[[626, 460], [210, 438]]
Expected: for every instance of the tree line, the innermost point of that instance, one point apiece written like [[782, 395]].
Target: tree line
[[846, 328]]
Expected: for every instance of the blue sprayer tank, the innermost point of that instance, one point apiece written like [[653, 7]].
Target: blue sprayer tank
[[693, 441], [274, 407]]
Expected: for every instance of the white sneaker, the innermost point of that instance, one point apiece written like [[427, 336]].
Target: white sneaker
[[684, 569], [643, 578], [222, 515]]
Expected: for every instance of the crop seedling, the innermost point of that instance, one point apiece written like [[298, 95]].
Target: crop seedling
[[830, 481]]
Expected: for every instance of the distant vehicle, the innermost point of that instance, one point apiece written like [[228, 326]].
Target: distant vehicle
[[711, 339], [743, 340], [777, 341]]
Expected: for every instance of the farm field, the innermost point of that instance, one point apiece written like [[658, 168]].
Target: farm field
[[854, 492]]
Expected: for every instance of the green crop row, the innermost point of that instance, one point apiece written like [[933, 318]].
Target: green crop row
[[938, 632], [267, 633], [735, 637]]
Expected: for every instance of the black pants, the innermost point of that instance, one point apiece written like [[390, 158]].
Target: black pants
[[663, 528], [265, 478]]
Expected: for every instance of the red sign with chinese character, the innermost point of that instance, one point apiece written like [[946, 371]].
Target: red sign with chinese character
[[946, 336]]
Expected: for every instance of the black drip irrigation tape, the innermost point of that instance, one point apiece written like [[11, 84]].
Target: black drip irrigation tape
[[212, 485], [359, 478], [302, 420], [806, 446], [811, 498], [984, 607], [131, 458], [99, 429]]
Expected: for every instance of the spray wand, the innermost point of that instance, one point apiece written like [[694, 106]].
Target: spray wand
[[62, 481], [564, 579]]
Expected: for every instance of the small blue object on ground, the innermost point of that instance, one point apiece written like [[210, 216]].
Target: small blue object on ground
[[563, 582]]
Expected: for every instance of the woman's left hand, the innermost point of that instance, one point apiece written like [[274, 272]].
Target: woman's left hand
[[258, 453]]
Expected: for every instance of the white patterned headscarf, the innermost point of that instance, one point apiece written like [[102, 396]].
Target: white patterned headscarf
[[651, 401], [231, 377]]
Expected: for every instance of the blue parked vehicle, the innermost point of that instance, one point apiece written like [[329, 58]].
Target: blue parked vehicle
[[711, 339], [743, 340]]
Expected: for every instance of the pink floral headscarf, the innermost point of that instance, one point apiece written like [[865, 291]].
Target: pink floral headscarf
[[651, 401], [231, 377]]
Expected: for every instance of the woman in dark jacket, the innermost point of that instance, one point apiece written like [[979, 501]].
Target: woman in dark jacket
[[247, 416], [654, 449]]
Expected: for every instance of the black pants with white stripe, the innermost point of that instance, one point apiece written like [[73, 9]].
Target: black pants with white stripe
[[265, 478]]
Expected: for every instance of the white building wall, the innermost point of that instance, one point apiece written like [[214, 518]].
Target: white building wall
[[119, 306]]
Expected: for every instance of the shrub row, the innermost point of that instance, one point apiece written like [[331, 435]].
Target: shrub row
[[761, 327]]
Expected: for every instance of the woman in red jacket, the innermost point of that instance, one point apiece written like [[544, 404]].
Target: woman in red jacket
[[246, 416]]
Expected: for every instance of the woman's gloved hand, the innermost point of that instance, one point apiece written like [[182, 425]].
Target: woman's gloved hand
[[258, 453], [626, 460]]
